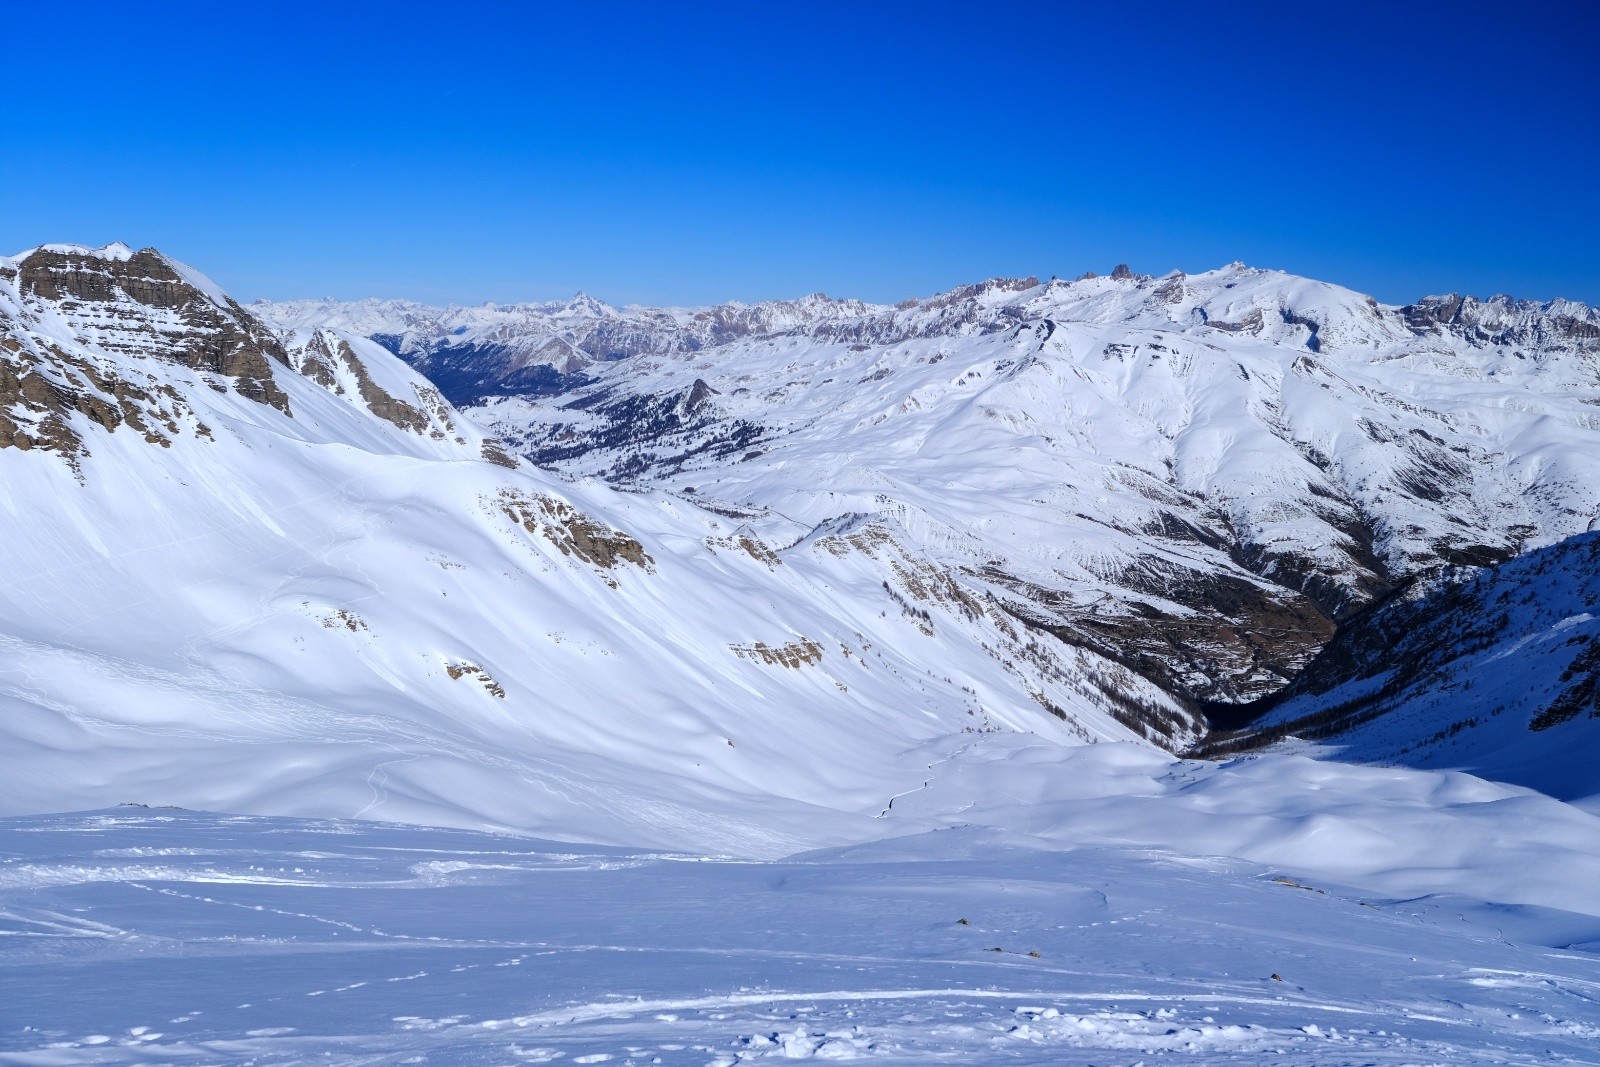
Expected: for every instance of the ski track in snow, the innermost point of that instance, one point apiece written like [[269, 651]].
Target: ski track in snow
[[132, 937], [963, 750]]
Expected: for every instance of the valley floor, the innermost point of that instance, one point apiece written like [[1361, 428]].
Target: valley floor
[[150, 936]]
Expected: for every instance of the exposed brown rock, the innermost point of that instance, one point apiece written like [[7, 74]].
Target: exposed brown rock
[[317, 361], [794, 654], [748, 543], [42, 387], [1170, 291], [329, 361], [111, 296], [1250, 324], [386, 407], [1238, 641], [346, 618], [478, 674], [573, 532], [495, 453], [439, 410]]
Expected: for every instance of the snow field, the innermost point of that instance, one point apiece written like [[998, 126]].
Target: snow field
[[173, 937]]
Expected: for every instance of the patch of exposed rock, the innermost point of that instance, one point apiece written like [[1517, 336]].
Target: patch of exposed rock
[[793, 654], [142, 305], [329, 361], [571, 531], [43, 387], [472, 671]]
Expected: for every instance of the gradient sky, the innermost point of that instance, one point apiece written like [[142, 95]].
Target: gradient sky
[[667, 153]]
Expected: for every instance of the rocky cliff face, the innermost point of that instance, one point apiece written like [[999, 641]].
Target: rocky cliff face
[[99, 339], [331, 361], [118, 303], [139, 303], [43, 390]]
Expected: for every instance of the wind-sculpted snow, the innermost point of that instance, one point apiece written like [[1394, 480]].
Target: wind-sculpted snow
[[145, 937], [1194, 476]]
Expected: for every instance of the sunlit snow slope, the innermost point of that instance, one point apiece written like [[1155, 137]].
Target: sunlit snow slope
[[1197, 477], [156, 938], [275, 572]]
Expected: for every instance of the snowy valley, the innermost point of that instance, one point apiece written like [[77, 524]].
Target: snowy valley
[[1194, 478], [1039, 672]]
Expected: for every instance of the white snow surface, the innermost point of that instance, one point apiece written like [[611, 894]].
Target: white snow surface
[[165, 937], [1098, 444], [329, 614], [1047, 423], [332, 620], [1101, 445]]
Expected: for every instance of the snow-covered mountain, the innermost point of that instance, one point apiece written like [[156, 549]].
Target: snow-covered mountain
[[1196, 477], [856, 585], [274, 571], [1074, 510], [533, 348]]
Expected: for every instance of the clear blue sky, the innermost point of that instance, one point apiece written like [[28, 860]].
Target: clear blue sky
[[693, 152]]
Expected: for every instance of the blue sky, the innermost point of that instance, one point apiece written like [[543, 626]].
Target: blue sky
[[698, 152]]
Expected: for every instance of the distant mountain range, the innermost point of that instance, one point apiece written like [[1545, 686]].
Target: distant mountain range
[[595, 572], [1200, 478]]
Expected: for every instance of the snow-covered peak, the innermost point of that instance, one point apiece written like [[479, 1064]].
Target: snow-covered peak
[[115, 251], [469, 348], [584, 304]]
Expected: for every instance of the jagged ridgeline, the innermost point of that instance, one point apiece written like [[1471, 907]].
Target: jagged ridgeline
[[1195, 479]]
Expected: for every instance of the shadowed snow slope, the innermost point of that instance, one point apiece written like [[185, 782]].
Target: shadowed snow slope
[[1495, 670]]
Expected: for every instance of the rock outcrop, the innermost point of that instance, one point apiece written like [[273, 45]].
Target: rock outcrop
[[139, 303]]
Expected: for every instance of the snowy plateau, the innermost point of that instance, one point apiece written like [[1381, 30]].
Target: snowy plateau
[[1199, 668]]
